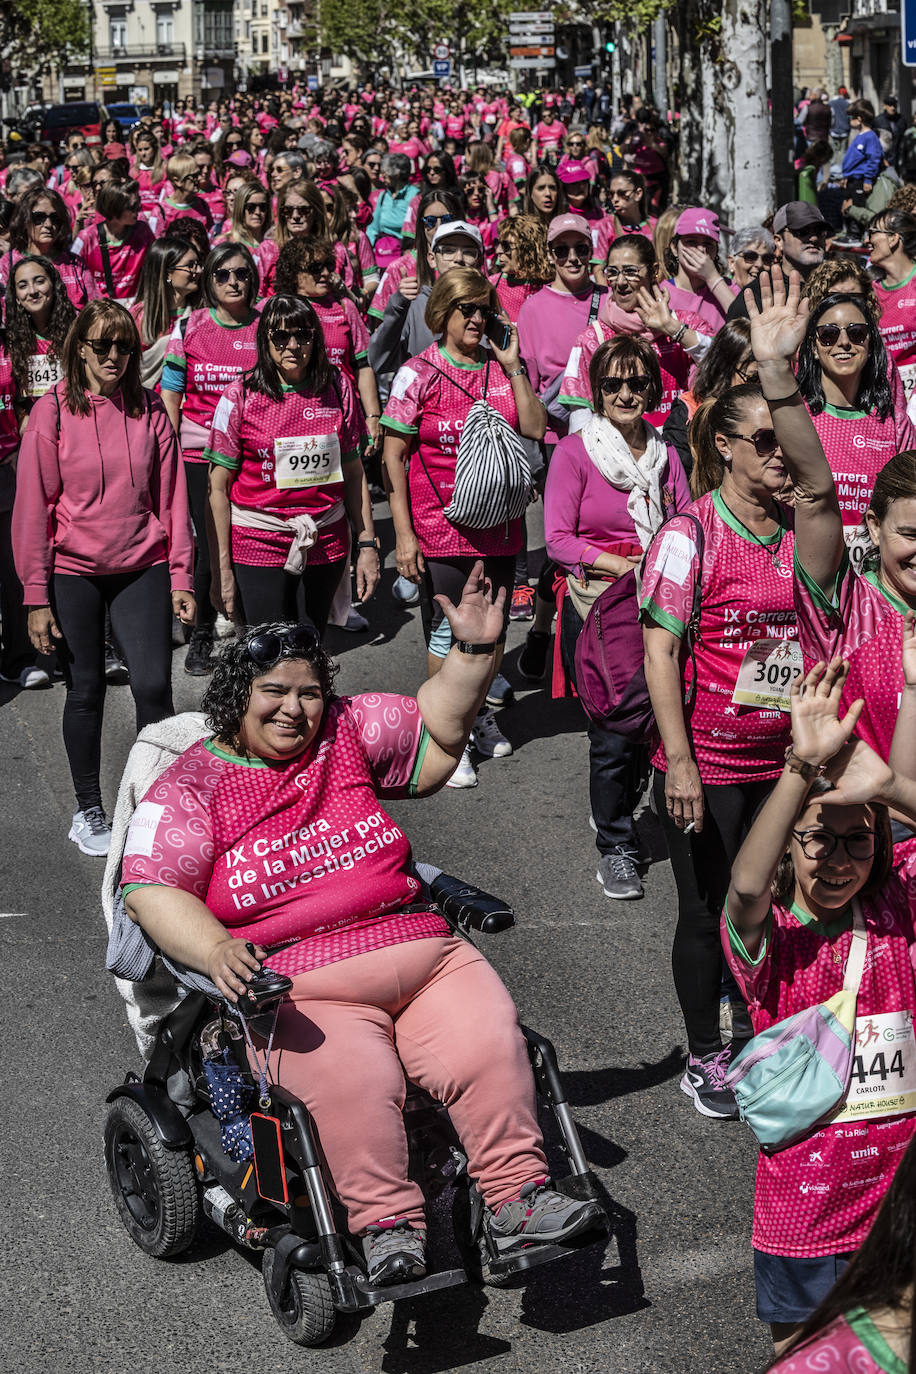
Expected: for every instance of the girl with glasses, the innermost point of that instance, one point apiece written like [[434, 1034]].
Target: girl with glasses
[[720, 755], [41, 227], [75, 186], [113, 249], [167, 291], [206, 352], [182, 198], [281, 522], [250, 221], [438, 174], [100, 525], [629, 213]]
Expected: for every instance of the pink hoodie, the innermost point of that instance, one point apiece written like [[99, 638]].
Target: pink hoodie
[[101, 493]]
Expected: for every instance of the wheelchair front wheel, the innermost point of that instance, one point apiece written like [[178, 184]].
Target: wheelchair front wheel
[[306, 1314], [154, 1189]]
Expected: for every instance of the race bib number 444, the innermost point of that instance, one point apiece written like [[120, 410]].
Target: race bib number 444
[[309, 461], [883, 1079]]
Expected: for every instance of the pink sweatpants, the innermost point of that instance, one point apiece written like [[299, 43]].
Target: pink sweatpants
[[435, 1010]]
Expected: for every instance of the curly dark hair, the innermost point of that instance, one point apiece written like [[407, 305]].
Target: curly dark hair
[[21, 339], [229, 691], [874, 394]]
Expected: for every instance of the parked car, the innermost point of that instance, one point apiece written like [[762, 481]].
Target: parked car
[[126, 116], [60, 120]]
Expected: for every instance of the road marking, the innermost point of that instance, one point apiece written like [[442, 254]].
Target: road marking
[[9, 915]]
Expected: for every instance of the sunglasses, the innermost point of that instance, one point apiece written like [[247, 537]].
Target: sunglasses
[[638, 384], [46, 217], [223, 275], [764, 441], [430, 221], [281, 337], [580, 251], [430, 167], [260, 205], [631, 273], [822, 844], [193, 268], [471, 308], [752, 258], [323, 266], [828, 334], [102, 347], [297, 211], [266, 649]]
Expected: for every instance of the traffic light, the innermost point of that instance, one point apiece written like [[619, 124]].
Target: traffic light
[[610, 45]]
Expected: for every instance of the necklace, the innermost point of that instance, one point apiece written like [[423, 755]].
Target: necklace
[[771, 549]]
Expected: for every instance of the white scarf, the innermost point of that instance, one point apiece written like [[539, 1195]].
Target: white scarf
[[610, 453]]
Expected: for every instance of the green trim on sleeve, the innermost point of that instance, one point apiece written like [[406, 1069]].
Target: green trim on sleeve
[[396, 424], [867, 1333], [665, 619], [128, 888], [362, 358], [574, 401], [828, 604], [171, 361], [737, 944], [376, 314], [871, 576], [418, 762], [222, 460]]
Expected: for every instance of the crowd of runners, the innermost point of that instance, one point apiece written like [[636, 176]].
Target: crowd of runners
[[236, 335]]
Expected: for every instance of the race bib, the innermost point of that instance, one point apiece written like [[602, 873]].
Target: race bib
[[767, 672], [884, 1068], [310, 461], [908, 377], [858, 544], [43, 372]]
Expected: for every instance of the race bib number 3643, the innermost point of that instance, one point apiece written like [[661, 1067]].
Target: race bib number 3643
[[312, 460]]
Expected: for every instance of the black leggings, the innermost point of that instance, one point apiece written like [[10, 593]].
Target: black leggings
[[141, 616], [702, 866], [447, 576], [274, 594], [197, 477]]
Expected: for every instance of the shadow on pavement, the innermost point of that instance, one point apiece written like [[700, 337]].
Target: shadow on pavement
[[590, 1087]]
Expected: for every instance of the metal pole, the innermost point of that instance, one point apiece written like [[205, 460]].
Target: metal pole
[[783, 128], [660, 65]]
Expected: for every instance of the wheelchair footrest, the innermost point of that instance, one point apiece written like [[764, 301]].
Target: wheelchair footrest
[[351, 1291], [544, 1254]]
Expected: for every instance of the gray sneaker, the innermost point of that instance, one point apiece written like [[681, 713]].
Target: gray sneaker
[[394, 1254], [91, 831], [540, 1216], [619, 876]]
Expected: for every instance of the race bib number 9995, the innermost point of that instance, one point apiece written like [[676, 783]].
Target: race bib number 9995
[[309, 461]]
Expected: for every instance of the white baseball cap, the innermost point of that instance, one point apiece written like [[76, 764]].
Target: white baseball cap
[[455, 227]]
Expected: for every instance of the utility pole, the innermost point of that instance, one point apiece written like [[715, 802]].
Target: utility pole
[[660, 65], [781, 105]]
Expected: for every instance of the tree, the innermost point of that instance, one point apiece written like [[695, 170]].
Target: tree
[[36, 32]]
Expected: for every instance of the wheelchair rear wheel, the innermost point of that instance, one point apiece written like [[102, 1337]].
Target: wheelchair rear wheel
[[306, 1314], [154, 1189]]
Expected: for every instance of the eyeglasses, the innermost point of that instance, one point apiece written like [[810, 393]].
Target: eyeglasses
[[324, 265], [580, 251], [828, 334], [223, 275], [631, 273], [265, 649], [575, 143], [233, 144], [259, 205], [471, 308], [639, 384], [747, 372], [281, 337], [102, 347], [192, 177], [752, 258], [764, 441], [430, 221], [822, 844], [46, 217]]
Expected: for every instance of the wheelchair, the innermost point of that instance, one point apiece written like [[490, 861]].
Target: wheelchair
[[168, 1168]]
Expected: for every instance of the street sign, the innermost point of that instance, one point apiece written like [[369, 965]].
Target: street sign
[[531, 26], [106, 76], [534, 50], [545, 63], [312, 82], [908, 33], [530, 14], [441, 52], [442, 68]]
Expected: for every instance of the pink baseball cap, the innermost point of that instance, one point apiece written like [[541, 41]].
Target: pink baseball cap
[[568, 224], [572, 170], [698, 221], [239, 159]]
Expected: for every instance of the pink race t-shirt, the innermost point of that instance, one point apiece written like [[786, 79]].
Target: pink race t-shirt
[[393, 275], [346, 337], [898, 326], [78, 282], [247, 426], [9, 425], [576, 391], [429, 403], [852, 1344], [820, 1196], [512, 294], [203, 357], [549, 135], [298, 853], [196, 208], [609, 228], [125, 258], [857, 446], [746, 597], [549, 323]]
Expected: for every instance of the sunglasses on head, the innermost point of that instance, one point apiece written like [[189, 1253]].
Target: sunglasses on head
[[102, 347], [828, 334], [580, 251], [764, 441], [751, 258], [265, 649], [471, 308], [639, 384], [222, 275], [46, 217], [281, 337]]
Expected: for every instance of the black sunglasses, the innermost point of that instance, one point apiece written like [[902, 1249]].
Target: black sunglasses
[[281, 337], [102, 347], [638, 384], [267, 648], [470, 308], [764, 441], [256, 205], [581, 251], [222, 275], [751, 258], [45, 217], [828, 334]]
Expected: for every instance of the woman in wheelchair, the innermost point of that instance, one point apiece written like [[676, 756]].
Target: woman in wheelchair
[[272, 832]]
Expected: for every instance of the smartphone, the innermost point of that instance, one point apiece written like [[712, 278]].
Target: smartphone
[[497, 332]]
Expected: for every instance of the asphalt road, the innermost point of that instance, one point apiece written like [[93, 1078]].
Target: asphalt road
[[673, 1293]]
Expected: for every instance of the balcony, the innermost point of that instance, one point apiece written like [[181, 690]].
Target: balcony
[[138, 52]]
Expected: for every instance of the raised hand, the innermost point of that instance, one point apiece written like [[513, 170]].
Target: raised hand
[[778, 325], [818, 733], [653, 308], [478, 617]]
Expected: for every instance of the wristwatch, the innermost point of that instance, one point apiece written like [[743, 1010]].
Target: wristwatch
[[464, 647], [369, 544], [520, 371], [809, 771]]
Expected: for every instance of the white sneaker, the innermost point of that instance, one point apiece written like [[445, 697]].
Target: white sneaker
[[224, 628], [464, 775], [487, 738], [405, 591], [91, 832], [29, 678]]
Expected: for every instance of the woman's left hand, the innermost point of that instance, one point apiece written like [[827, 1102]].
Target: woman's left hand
[[817, 731], [478, 617], [653, 308], [368, 572], [697, 262], [510, 358], [185, 607]]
